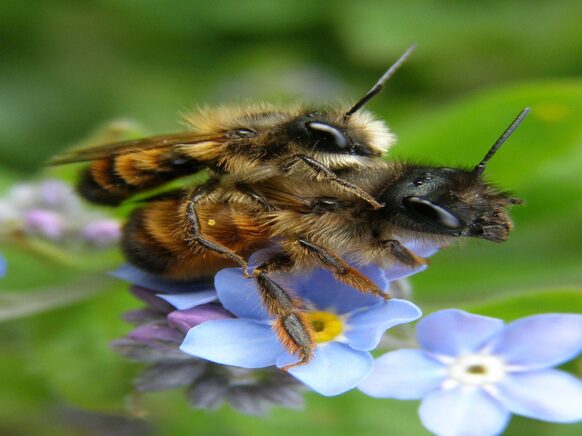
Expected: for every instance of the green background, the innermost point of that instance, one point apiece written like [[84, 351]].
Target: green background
[[69, 67]]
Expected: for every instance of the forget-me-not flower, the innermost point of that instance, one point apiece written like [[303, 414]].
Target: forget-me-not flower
[[172, 309], [473, 371], [347, 325]]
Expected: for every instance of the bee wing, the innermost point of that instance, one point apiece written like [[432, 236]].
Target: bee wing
[[125, 147]]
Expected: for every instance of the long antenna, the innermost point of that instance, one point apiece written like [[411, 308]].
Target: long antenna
[[478, 170], [377, 88]]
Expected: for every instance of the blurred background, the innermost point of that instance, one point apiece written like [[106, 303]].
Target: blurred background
[[70, 67]]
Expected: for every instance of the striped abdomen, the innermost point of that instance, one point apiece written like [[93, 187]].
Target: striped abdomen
[[154, 238], [115, 178]]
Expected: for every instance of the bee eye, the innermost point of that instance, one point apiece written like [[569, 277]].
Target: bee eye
[[327, 132], [432, 212], [245, 133]]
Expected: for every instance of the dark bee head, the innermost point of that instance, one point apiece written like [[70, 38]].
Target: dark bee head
[[449, 201], [325, 133], [346, 133]]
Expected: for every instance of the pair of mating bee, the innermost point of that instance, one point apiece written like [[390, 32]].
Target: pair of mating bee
[[311, 179]]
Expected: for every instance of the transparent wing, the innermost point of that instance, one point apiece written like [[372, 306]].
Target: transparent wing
[[119, 148]]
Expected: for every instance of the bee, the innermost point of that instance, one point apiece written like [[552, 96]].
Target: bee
[[250, 144], [319, 226]]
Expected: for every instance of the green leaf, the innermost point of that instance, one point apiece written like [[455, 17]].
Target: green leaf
[[21, 304], [70, 348], [540, 162], [518, 306]]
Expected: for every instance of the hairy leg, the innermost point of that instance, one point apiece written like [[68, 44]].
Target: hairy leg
[[290, 326], [401, 253], [191, 226], [324, 172], [341, 270]]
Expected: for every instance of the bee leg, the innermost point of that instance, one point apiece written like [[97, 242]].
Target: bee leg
[[192, 226], [250, 192], [323, 171], [402, 254], [290, 326], [341, 270]]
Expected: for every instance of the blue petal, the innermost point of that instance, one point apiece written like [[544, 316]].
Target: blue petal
[[237, 342], [464, 410], [131, 274], [334, 369], [189, 300], [262, 255], [2, 267], [239, 294], [422, 249], [405, 375], [326, 293], [549, 395], [399, 271], [453, 332], [540, 341], [366, 326]]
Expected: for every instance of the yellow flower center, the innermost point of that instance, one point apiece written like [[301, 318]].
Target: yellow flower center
[[326, 325]]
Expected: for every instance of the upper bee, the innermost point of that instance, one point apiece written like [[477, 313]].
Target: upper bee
[[276, 132], [250, 143]]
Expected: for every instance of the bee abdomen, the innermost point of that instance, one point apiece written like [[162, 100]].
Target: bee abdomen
[[155, 241], [141, 249], [111, 180]]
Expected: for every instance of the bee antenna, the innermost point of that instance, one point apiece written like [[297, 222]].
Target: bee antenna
[[377, 88], [478, 170]]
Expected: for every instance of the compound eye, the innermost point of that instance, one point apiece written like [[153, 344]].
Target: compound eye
[[432, 212], [327, 132], [245, 133]]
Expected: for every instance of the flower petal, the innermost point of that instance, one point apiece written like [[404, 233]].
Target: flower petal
[[334, 369], [422, 249], [366, 326], [550, 395], [399, 271], [153, 301], [403, 374], [239, 294], [540, 341], [184, 320], [237, 342], [154, 333], [189, 300], [326, 293], [454, 332], [464, 410], [2, 267], [131, 274]]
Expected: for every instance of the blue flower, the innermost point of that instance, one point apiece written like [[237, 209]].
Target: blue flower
[[180, 294], [2, 266], [473, 371], [350, 324]]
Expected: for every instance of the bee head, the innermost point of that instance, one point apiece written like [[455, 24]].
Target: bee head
[[351, 132], [327, 133], [450, 201]]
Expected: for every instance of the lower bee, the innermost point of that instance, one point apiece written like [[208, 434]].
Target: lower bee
[[317, 226]]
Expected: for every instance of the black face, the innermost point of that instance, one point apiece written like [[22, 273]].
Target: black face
[[316, 132], [447, 201]]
